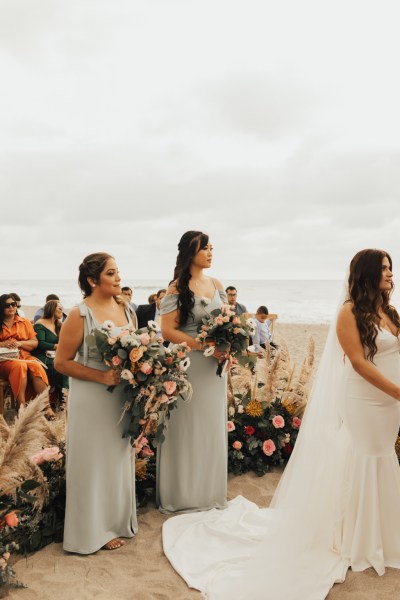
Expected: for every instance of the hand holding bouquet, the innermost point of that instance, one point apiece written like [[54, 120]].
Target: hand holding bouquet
[[226, 332], [154, 376]]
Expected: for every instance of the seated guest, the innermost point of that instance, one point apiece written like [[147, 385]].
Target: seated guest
[[128, 293], [47, 331], [39, 312], [150, 312], [262, 335], [25, 372], [18, 301], [152, 298], [231, 292]]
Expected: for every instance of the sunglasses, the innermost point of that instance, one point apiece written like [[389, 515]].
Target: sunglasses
[[11, 304]]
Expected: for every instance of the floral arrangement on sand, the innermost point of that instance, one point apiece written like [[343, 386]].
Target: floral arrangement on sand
[[265, 410], [223, 330], [155, 377]]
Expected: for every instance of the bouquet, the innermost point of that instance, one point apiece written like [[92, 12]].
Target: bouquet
[[154, 376], [225, 331]]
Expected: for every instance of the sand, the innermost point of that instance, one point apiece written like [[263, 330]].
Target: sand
[[140, 571]]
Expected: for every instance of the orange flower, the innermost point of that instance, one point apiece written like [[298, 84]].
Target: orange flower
[[11, 519], [135, 354]]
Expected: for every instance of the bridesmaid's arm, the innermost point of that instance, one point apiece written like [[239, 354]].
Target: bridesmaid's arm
[[71, 338], [170, 331], [349, 339]]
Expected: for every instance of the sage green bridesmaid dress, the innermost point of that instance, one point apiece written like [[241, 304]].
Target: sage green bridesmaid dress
[[192, 461], [100, 471]]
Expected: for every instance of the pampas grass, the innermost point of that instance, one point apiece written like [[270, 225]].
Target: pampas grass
[[29, 433]]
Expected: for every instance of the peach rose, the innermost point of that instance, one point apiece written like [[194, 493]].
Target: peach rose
[[237, 445], [169, 387], [219, 321], [236, 320], [11, 519], [164, 398], [230, 426], [6, 555], [116, 361], [135, 354], [269, 447], [278, 421]]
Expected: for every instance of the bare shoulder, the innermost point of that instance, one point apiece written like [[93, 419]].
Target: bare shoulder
[[74, 317], [346, 319], [218, 284], [346, 311]]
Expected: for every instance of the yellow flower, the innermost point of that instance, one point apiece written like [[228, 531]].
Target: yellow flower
[[290, 406], [254, 409], [141, 468]]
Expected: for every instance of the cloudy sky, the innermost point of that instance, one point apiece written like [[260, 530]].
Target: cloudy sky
[[272, 125]]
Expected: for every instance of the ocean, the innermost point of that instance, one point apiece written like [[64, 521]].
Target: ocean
[[294, 301]]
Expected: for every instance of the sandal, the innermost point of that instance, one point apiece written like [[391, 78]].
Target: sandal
[[113, 544]]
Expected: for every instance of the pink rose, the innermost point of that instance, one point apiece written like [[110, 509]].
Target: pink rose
[[116, 361], [296, 422], [237, 445], [278, 421], [6, 555], [146, 368], [230, 426], [169, 360], [269, 447], [181, 354], [169, 387], [144, 338], [146, 451], [219, 321]]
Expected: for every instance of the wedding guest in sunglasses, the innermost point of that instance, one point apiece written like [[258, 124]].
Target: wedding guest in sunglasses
[[26, 375]]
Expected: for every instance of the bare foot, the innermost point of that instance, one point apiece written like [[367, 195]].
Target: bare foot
[[113, 544]]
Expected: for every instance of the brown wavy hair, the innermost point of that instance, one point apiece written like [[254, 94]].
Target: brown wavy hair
[[366, 297], [189, 244], [49, 311], [91, 266]]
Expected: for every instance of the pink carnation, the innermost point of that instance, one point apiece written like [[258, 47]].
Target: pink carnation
[[230, 426], [278, 421], [237, 445], [116, 361], [170, 387], [269, 447], [296, 422], [146, 368], [144, 338]]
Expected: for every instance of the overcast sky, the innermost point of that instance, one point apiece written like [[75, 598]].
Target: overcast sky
[[272, 125]]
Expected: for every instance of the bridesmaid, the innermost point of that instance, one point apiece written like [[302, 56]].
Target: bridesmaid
[[192, 461], [100, 505]]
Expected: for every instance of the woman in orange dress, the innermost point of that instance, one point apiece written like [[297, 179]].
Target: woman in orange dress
[[17, 332]]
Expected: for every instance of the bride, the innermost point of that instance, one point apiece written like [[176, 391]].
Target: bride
[[337, 504]]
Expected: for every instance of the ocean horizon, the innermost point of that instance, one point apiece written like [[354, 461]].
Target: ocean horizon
[[294, 301]]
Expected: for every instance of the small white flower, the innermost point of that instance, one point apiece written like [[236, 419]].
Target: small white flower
[[185, 364], [152, 325], [240, 409], [153, 417], [209, 351], [108, 325], [126, 374], [231, 411]]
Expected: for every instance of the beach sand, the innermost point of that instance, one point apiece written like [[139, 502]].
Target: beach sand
[[140, 571]]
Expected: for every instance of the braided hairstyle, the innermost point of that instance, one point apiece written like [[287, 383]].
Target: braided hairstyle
[[189, 245], [91, 266], [366, 297]]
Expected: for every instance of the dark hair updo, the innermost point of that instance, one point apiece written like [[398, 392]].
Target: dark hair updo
[[366, 297], [189, 245], [91, 267]]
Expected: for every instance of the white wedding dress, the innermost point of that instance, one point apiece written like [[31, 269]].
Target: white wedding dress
[[337, 505]]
